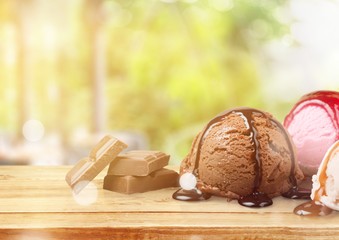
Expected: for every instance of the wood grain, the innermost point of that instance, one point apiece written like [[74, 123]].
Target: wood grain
[[36, 203]]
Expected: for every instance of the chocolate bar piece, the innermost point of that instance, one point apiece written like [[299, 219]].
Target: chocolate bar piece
[[162, 178], [138, 163], [88, 168]]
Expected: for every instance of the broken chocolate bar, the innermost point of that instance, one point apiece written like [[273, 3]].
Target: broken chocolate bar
[[88, 168], [138, 163], [162, 178]]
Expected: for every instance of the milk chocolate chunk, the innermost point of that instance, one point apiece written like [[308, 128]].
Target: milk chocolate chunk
[[162, 178], [88, 168], [138, 163]]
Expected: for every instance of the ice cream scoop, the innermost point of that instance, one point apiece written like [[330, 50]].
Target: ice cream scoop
[[326, 182], [313, 124], [242, 154], [325, 191]]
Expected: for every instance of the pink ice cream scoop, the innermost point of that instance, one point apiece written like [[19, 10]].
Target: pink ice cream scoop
[[313, 124]]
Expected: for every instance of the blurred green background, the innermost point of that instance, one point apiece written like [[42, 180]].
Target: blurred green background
[[151, 72]]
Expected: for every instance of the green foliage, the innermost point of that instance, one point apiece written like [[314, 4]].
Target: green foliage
[[170, 66], [182, 64]]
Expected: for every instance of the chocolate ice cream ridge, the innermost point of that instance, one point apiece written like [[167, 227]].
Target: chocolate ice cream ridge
[[242, 154]]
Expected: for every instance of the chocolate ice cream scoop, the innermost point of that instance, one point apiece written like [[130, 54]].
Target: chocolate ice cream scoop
[[243, 154]]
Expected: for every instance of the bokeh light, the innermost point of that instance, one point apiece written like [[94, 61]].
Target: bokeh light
[[87, 195], [33, 130], [188, 181]]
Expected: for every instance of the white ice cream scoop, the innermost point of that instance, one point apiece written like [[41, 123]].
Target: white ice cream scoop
[[326, 182]]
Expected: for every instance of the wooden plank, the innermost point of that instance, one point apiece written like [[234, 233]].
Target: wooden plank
[[37, 202], [166, 233], [166, 219], [162, 226]]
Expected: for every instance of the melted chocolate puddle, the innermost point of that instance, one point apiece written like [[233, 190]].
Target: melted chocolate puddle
[[256, 199], [296, 193], [190, 195], [311, 208]]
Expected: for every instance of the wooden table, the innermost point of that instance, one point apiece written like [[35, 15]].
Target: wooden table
[[36, 203]]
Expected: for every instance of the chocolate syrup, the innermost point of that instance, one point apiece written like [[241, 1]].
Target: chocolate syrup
[[296, 193], [256, 199], [190, 195], [311, 208]]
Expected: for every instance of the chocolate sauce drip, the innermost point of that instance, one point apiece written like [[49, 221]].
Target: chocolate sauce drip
[[190, 195], [195, 194], [208, 127], [255, 155], [311, 208], [256, 199], [294, 192]]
